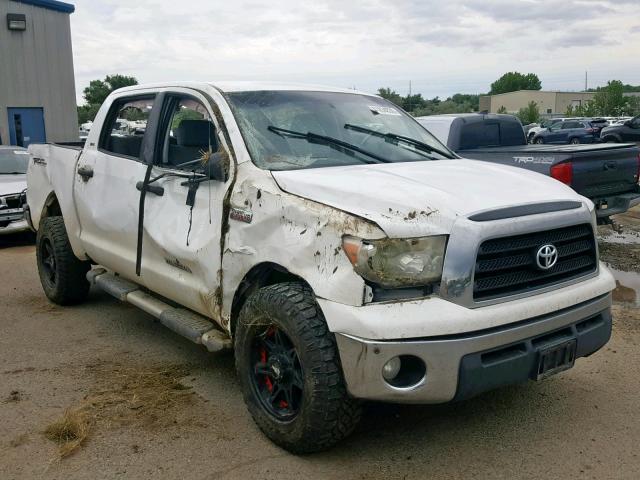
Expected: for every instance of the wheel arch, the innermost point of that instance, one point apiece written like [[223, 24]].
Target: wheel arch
[[51, 207], [260, 275]]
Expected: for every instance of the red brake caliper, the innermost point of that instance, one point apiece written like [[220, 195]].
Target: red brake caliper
[[263, 359]]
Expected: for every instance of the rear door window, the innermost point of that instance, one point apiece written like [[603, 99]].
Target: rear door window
[[491, 134], [475, 135], [125, 126]]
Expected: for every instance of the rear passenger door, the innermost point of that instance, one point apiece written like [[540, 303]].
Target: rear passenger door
[[570, 130], [106, 196]]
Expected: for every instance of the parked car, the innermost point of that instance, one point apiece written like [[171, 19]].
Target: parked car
[[598, 124], [568, 131], [629, 131], [607, 174], [532, 132], [13, 184], [341, 249]]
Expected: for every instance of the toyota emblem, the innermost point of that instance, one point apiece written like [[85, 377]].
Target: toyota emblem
[[546, 257]]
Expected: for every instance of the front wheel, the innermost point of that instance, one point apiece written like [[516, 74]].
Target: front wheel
[[62, 275], [289, 370], [574, 141], [539, 141]]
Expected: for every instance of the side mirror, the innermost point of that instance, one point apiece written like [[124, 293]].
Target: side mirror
[[217, 167]]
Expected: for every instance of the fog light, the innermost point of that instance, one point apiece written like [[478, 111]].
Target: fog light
[[391, 368]]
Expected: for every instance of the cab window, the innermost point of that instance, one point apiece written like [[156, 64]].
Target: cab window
[[125, 126], [190, 135]]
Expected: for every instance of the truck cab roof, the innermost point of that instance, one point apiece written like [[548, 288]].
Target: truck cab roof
[[245, 86]]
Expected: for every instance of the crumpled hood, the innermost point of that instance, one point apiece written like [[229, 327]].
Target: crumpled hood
[[422, 198], [12, 183]]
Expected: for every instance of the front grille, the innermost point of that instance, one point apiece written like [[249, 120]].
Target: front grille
[[11, 201], [507, 266]]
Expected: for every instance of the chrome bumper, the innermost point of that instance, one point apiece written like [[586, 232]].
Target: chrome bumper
[[15, 227], [362, 360]]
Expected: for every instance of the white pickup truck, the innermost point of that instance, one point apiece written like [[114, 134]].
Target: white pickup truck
[[326, 236]]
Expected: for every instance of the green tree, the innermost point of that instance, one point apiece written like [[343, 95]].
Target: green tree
[[610, 100], [87, 112], [502, 109], [529, 114], [390, 95], [513, 81], [415, 102], [633, 106], [418, 106], [97, 91]]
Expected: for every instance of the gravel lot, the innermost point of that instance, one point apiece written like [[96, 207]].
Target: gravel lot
[[158, 406]]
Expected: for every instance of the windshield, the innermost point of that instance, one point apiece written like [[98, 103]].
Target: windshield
[[13, 161], [287, 130]]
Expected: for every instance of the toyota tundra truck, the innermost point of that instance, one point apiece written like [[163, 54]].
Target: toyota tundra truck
[[324, 235]]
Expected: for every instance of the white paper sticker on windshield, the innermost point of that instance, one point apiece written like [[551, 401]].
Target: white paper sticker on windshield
[[380, 110], [21, 152]]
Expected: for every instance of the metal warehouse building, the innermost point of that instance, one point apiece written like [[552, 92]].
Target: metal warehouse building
[[549, 103], [37, 86]]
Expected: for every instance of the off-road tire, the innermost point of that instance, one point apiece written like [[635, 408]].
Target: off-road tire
[[327, 413], [69, 285]]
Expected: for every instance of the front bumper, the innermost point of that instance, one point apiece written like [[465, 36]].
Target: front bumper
[[462, 365], [13, 222]]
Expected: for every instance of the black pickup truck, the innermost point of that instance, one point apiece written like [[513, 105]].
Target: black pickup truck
[[607, 174]]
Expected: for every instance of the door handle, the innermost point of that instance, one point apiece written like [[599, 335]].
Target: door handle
[[611, 165], [85, 171], [155, 189]]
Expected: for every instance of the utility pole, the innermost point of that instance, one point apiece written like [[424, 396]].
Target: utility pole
[[585, 81], [409, 96]]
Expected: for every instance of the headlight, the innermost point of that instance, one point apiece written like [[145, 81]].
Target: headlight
[[394, 263]]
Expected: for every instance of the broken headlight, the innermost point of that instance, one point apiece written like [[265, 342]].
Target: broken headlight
[[395, 263]]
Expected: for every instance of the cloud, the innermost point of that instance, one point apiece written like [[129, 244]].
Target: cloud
[[443, 47]]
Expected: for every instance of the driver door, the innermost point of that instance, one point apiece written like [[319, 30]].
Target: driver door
[[181, 255]]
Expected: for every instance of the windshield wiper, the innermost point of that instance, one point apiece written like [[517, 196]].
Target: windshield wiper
[[330, 142], [12, 173], [394, 139]]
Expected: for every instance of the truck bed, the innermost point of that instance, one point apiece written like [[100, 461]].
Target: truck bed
[[599, 170]]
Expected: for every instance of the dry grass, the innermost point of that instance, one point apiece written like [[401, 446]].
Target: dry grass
[[69, 432], [149, 397]]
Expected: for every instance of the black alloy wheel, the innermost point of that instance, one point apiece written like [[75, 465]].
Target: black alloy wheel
[[277, 377]]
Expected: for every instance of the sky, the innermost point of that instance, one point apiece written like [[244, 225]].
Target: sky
[[441, 46]]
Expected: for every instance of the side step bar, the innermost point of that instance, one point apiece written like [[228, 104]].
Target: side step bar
[[189, 324]]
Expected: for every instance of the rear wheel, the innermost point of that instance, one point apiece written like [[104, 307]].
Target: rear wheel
[[62, 275], [289, 370], [574, 141]]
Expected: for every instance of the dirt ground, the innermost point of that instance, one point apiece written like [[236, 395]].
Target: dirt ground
[[153, 405]]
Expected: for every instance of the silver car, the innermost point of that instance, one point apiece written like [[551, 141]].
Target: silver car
[[13, 189]]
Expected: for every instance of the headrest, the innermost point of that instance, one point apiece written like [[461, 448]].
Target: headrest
[[196, 133]]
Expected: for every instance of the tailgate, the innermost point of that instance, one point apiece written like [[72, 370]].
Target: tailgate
[[604, 170]]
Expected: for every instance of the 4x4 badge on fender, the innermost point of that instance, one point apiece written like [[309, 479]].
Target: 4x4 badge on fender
[[546, 256]]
